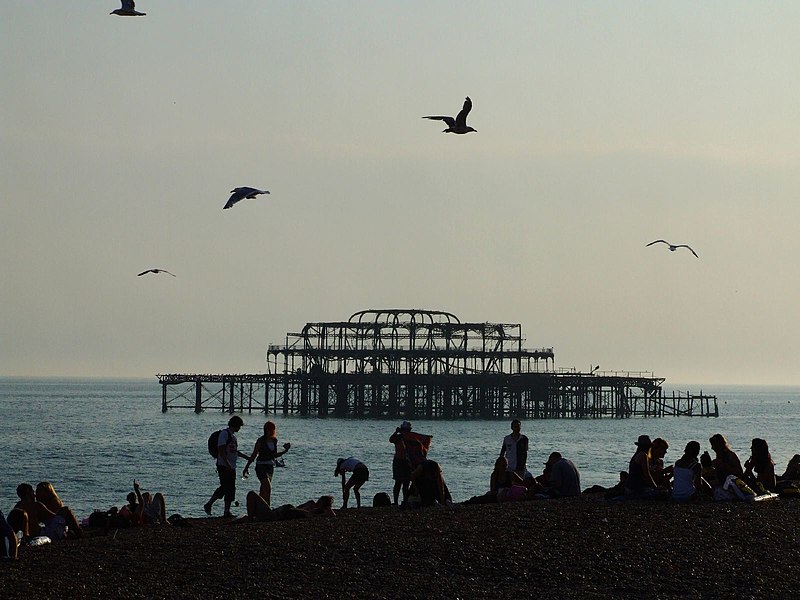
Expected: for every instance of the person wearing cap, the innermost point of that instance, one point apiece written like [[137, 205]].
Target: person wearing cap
[[227, 453], [401, 464], [515, 449], [564, 480], [360, 475], [640, 482]]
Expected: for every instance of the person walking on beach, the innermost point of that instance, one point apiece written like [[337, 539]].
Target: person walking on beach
[[360, 475], [227, 453], [401, 464], [266, 451], [515, 449]]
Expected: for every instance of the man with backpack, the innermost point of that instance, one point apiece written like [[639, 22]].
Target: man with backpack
[[227, 452]]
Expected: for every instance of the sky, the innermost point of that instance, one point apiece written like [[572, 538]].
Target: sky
[[601, 126]]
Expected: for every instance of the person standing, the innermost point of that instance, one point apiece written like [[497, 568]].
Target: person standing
[[227, 453], [264, 453], [360, 475], [515, 449], [401, 464]]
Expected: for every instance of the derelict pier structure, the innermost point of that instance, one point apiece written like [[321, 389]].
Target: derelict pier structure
[[411, 363]]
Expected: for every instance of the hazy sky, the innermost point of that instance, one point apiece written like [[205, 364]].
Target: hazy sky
[[601, 126]]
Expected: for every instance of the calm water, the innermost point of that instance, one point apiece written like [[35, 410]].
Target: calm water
[[91, 438]]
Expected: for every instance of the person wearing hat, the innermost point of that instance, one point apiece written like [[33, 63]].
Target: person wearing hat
[[640, 482], [401, 464], [360, 475]]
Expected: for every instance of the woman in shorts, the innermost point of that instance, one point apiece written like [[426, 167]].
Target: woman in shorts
[[264, 453]]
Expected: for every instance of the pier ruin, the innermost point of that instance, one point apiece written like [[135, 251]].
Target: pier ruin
[[411, 363]]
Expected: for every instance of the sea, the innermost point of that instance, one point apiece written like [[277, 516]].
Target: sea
[[91, 438]]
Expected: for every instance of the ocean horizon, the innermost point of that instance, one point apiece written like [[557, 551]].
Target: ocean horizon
[[91, 437]]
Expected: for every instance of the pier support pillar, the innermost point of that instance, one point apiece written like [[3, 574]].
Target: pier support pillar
[[198, 396]]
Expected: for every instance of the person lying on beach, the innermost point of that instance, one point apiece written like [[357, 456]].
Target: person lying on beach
[[615, 491], [8, 540], [259, 511], [687, 479], [34, 519], [151, 508], [759, 469], [322, 506], [360, 475]]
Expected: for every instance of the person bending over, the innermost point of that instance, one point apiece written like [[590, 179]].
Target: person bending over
[[360, 475]]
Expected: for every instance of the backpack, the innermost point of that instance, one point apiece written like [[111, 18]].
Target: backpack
[[212, 443]]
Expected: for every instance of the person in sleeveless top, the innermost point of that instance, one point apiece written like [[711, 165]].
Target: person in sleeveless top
[[686, 475], [360, 475], [265, 452]]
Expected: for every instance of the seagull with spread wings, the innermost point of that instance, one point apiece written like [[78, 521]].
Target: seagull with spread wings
[[241, 193], [128, 10], [156, 271], [673, 247], [459, 124]]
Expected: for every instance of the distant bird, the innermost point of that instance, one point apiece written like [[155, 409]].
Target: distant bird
[[673, 247], [241, 193], [459, 124], [155, 271], [128, 10]]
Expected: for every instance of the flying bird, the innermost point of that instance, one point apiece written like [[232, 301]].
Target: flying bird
[[673, 247], [241, 193], [155, 271], [128, 10], [459, 124]]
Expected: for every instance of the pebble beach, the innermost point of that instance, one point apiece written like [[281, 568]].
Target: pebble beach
[[554, 549]]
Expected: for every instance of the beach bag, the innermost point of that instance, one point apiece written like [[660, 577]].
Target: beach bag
[[212, 443]]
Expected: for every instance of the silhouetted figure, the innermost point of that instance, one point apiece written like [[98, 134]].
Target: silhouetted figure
[[265, 453], [227, 453], [360, 475], [459, 124], [128, 10], [242, 193], [515, 449]]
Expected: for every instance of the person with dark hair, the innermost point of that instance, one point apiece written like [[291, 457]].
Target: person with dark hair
[[564, 479], [227, 453], [8, 540], [360, 475], [515, 449], [687, 480], [759, 469], [266, 449], [427, 483], [726, 462], [401, 464], [661, 474], [792, 472], [33, 518], [640, 482]]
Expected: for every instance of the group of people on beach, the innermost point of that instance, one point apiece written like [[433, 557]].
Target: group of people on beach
[[695, 475], [418, 482]]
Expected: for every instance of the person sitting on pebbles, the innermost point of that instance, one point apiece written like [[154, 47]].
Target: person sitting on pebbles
[[564, 480], [792, 472], [360, 475], [34, 519]]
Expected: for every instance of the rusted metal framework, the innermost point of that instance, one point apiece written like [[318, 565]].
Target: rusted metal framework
[[423, 363]]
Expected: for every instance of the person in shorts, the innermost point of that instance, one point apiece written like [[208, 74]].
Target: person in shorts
[[360, 475]]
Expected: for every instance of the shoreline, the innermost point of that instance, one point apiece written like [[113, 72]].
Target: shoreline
[[555, 548]]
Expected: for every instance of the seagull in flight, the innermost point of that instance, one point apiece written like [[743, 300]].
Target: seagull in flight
[[673, 247], [128, 10], [241, 193], [155, 271], [459, 124]]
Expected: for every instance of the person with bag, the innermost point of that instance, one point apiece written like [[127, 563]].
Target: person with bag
[[265, 452], [227, 453]]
